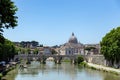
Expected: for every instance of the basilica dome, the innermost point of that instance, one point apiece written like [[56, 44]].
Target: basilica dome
[[73, 39]]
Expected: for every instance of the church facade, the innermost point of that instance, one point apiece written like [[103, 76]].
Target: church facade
[[72, 47]]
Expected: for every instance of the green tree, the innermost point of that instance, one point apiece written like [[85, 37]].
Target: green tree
[[89, 48], [34, 43], [7, 15], [28, 50], [7, 50], [53, 51], [2, 39], [110, 46], [36, 51], [80, 59]]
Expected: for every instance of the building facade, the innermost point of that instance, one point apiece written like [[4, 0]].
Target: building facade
[[72, 47]]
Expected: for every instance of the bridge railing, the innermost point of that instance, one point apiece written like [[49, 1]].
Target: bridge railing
[[39, 55]]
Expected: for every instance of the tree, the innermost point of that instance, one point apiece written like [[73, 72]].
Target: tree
[[36, 51], [7, 15], [34, 43], [89, 48], [2, 39], [41, 45], [53, 51], [80, 59], [28, 44], [7, 50], [28, 50], [110, 46]]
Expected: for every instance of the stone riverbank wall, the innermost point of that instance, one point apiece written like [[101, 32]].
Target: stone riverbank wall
[[96, 59]]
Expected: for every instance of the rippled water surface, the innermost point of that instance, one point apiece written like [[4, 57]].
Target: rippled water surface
[[64, 71]]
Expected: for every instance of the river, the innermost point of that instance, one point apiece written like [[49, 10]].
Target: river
[[64, 71]]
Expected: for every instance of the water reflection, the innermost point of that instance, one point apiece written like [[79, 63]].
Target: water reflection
[[64, 71], [111, 77]]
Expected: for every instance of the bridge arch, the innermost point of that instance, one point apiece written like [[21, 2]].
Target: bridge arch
[[42, 58]]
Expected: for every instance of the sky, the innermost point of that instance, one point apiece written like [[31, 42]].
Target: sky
[[51, 22]]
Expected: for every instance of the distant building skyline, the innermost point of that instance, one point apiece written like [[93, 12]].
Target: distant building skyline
[[73, 47]]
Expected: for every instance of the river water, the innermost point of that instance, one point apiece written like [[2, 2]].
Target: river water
[[64, 71]]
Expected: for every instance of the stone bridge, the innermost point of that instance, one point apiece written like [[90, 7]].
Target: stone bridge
[[42, 58]]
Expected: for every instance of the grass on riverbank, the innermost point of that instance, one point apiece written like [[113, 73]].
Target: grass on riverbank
[[10, 75], [2, 75], [102, 69], [84, 64]]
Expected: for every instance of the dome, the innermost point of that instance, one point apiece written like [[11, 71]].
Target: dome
[[73, 39]]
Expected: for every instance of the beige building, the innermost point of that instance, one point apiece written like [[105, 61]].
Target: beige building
[[72, 47], [44, 50], [95, 51]]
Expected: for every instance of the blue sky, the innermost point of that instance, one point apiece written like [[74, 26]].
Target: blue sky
[[51, 22]]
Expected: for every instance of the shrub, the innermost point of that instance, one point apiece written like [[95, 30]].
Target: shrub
[[80, 59], [0, 76], [84, 64]]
